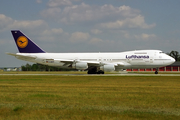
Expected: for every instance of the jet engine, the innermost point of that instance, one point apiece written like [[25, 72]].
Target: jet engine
[[109, 67], [80, 65]]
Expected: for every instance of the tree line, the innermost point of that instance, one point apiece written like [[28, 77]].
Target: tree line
[[40, 67], [175, 55]]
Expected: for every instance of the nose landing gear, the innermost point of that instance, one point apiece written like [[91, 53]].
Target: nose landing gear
[[156, 72]]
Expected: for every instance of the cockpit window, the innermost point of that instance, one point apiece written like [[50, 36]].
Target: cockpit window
[[161, 52]]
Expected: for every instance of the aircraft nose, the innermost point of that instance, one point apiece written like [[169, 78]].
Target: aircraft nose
[[172, 60]]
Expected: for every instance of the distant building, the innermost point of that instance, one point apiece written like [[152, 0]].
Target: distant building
[[13, 69], [173, 67]]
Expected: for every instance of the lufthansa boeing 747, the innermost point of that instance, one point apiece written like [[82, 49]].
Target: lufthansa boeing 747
[[94, 63]]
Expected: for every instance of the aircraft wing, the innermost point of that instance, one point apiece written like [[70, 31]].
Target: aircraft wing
[[89, 63]]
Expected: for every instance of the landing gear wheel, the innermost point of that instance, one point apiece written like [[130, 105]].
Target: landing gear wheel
[[100, 72], [92, 71]]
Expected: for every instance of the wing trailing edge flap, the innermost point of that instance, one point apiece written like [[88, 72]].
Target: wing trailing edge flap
[[120, 64], [96, 63], [68, 62], [93, 63], [65, 61]]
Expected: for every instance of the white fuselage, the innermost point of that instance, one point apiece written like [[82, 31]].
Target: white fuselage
[[121, 60]]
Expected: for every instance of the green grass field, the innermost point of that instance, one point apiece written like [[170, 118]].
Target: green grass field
[[89, 97]]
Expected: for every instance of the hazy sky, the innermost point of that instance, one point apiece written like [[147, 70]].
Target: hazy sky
[[90, 25]]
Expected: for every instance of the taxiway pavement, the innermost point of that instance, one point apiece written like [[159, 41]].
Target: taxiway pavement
[[121, 74]]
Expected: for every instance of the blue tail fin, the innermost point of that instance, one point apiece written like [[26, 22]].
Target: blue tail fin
[[24, 44]]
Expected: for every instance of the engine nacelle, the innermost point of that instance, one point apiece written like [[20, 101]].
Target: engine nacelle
[[80, 65], [107, 68]]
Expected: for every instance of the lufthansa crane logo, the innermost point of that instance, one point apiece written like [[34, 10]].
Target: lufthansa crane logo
[[22, 42]]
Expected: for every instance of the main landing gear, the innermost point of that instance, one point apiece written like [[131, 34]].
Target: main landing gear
[[95, 71]]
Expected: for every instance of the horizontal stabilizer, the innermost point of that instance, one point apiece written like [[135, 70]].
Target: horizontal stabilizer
[[23, 57]]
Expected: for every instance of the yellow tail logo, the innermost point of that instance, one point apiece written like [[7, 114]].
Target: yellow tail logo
[[22, 42]]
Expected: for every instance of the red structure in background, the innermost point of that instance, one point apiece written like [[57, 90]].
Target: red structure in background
[[173, 67]]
